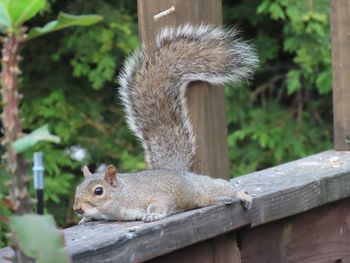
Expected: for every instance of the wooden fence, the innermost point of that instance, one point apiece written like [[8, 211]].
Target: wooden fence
[[301, 209]]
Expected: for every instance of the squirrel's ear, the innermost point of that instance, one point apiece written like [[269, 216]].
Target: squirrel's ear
[[86, 171], [111, 175]]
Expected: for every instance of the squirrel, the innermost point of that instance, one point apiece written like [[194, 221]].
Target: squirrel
[[152, 89]]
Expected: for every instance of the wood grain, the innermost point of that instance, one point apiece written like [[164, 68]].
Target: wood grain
[[6, 255], [320, 235], [340, 25], [202, 253], [297, 186], [206, 103], [206, 106], [279, 192], [113, 242]]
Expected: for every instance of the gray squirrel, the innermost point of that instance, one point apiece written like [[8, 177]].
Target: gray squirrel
[[152, 89]]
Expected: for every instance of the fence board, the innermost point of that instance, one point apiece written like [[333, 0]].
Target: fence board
[[206, 104], [320, 235]]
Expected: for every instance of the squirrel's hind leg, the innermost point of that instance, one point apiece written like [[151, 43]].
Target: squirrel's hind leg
[[159, 209], [245, 198]]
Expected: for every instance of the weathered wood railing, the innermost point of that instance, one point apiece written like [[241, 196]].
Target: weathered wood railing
[[279, 192], [293, 195]]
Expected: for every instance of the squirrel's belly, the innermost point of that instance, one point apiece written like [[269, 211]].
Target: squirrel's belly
[[124, 213]]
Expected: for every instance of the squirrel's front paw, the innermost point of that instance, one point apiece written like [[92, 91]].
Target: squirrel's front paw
[[150, 217], [84, 220]]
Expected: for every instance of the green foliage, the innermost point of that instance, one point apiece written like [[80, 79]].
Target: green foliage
[[3, 208], [306, 38], [48, 241], [28, 141], [285, 113], [80, 109], [5, 20], [64, 21], [97, 53], [15, 12]]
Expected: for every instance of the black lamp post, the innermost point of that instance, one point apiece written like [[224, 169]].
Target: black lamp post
[[38, 174]]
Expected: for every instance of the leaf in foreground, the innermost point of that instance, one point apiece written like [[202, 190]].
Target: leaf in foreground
[[64, 20], [22, 10], [28, 141], [38, 238], [5, 20]]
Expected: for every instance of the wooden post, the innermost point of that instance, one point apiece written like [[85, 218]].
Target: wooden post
[[206, 107], [206, 104], [341, 72]]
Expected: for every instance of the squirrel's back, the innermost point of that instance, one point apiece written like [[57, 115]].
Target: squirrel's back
[[153, 87], [189, 190]]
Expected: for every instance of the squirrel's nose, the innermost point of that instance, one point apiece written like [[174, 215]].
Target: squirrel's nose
[[79, 210]]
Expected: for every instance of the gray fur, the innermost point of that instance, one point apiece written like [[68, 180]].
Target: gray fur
[[151, 195], [153, 87]]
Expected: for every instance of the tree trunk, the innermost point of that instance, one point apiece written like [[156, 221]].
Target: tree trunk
[[19, 197]]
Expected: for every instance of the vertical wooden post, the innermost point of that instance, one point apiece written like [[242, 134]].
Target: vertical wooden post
[[207, 111], [206, 104], [340, 25]]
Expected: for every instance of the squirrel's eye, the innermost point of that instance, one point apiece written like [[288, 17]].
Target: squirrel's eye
[[98, 191]]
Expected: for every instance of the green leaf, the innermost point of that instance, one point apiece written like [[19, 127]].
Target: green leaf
[[315, 27], [291, 44], [263, 7], [63, 21], [22, 10], [28, 141], [38, 238], [293, 81], [319, 17], [276, 11], [293, 13], [5, 20], [263, 140], [324, 82]]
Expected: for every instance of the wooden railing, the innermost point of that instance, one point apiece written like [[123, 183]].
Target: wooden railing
[[280, 192], [300, 213]]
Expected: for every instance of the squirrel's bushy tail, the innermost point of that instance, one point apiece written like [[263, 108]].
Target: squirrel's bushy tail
[[153, 87]]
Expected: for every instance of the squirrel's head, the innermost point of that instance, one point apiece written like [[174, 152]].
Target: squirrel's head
[[94, 194]]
